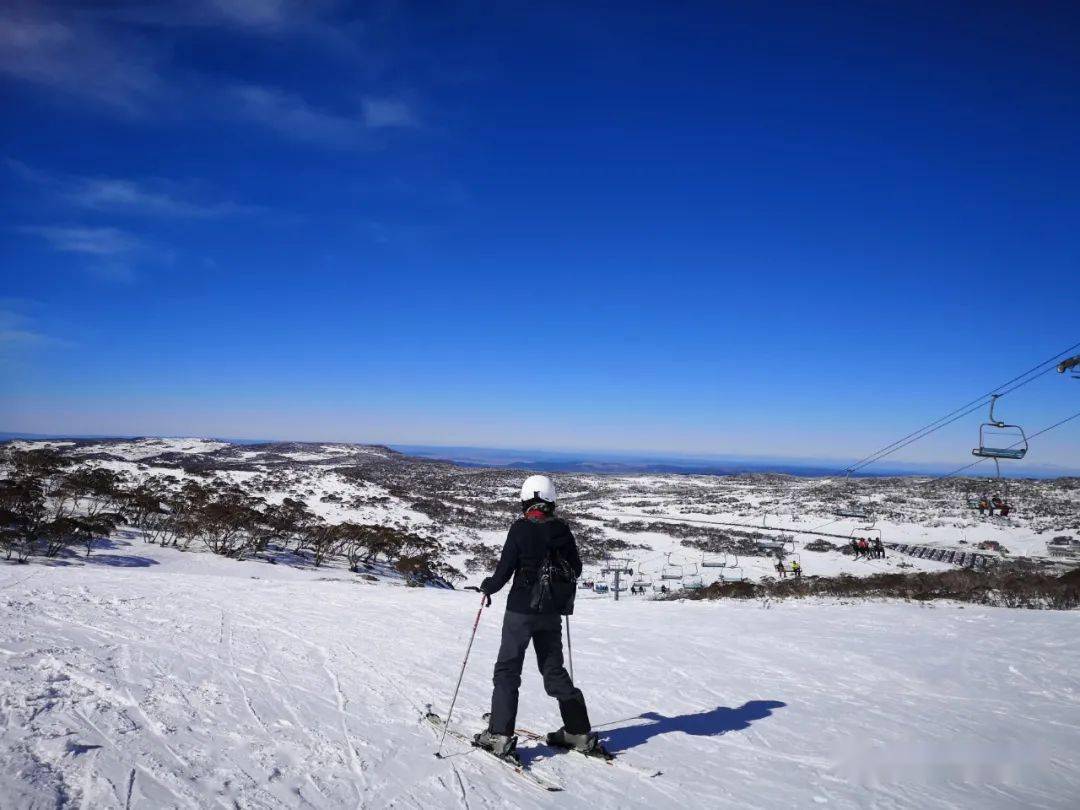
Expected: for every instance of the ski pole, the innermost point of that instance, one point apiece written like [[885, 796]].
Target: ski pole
[[569, 648], [484, 598]]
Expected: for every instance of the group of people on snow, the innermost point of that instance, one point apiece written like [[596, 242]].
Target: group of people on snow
[[868, 549]]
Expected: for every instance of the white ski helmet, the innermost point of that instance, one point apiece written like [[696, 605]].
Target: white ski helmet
[[536, 489]]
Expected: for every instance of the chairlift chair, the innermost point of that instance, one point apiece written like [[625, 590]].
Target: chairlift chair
[[693, 583], [736, 572], [995, 435], [718, 561], [869, 532], [642, 578], [671, 571]]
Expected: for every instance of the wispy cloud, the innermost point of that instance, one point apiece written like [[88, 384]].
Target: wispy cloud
[[291, 115], [380, 113], [256, 16], [106, 242], [111, 251], [65, 53], [159, 198], [19, 335], [115, 55]]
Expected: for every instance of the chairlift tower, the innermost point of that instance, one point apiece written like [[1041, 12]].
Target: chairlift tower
[[617, 567]]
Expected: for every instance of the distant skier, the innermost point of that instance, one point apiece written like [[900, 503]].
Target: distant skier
[[541, 555], [864, 548], [879, 548], [780, 569], [796, 569], [855, 547]]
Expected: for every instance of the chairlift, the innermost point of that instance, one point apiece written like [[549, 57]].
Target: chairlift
[[733, 573], [693, 583], [869, 532], [719, 561], [671, 571], [988, 504], [765, 518], [600, 587], [852, 509], [995, 436]]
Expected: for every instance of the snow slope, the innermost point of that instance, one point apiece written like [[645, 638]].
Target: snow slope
[[151, 678]]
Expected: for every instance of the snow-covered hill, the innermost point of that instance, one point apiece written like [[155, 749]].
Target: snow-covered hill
[[152, 678], [657, 523]]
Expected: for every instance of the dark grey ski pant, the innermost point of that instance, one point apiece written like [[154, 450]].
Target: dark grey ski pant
[[545, 633]]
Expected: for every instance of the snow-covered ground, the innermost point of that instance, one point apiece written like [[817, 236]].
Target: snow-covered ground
[[153, 678]]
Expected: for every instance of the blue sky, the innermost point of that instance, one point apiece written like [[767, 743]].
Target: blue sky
[[707, 228]]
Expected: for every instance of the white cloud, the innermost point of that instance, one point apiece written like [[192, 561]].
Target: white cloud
[[388, 112], [113, 54], [18, 335], [161, 198], [257, 16], [100, 242], [66, 54], [292, 116]]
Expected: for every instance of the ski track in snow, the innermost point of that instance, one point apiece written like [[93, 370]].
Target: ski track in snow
[[204, 682]]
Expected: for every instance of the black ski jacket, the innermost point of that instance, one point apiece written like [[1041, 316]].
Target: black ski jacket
[[527, 544]]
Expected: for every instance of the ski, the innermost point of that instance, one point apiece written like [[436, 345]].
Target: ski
[[528, 774], [606, 758]]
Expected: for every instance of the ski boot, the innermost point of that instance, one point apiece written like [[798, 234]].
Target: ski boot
[[588, 744], [500, 745]]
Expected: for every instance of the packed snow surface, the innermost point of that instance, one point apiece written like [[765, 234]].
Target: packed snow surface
[[153, 678]]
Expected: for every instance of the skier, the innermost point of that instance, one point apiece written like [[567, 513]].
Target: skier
[[541, 555], [780, 569], [879, 548], [796, 569]]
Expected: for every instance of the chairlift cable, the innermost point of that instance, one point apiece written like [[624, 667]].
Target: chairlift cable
[[922, 434], [1015, 444], [934, 426]]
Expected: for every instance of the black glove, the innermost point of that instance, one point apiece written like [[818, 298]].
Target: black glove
[[486, 588], [486, 601]]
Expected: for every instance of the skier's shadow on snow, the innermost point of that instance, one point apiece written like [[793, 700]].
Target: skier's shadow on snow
[[711, 723]]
